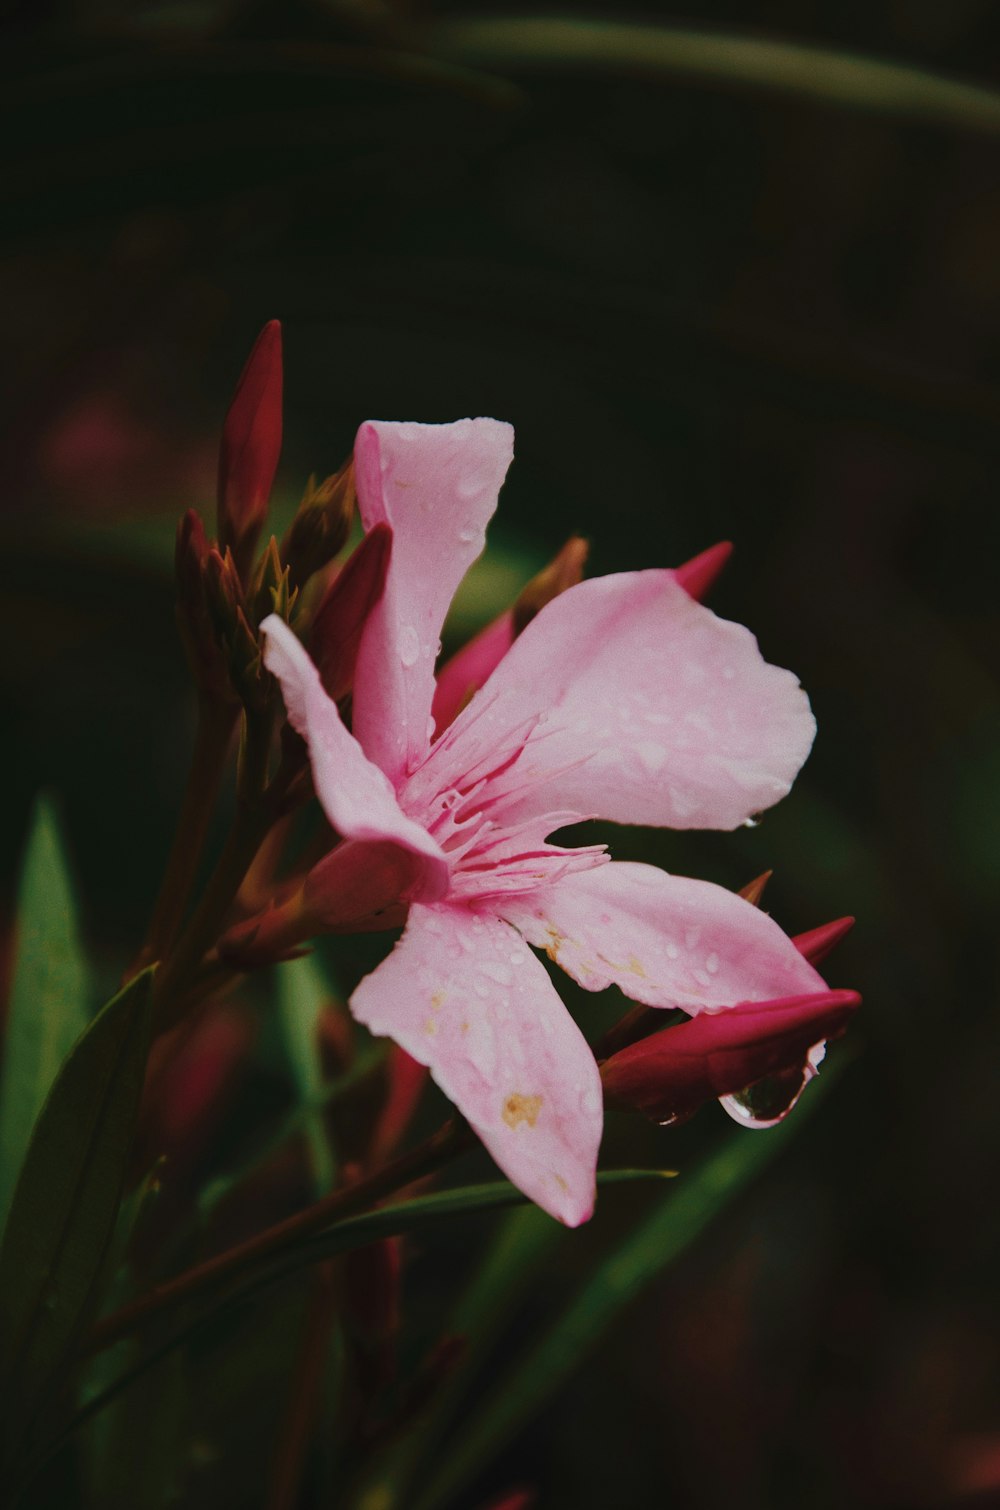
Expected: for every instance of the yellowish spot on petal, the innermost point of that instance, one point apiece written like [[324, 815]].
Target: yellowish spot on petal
[[518, 1109], [438, 1000]]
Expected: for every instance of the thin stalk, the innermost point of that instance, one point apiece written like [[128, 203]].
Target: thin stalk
[[216, 720], [450, 1139], [302, 1406]]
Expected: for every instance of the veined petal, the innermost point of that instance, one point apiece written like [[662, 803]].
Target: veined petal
[[653, 710], [462, 994], [437, 487], [355, 795], [664, 940]]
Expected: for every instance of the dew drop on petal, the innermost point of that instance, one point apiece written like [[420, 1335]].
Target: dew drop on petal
[[712, 964], [651, 754], [672, 951], [408, 645], [497, 971], [467, 536]]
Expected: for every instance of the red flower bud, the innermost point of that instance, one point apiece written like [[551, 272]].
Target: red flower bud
[[671, 1074], [251, 445], [343, 613], [818, 942], [698, 576]]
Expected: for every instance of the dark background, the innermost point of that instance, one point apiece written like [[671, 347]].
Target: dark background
[[712, 309]]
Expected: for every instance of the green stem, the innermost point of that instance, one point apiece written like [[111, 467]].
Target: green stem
[[216, 720], [450, 1139]]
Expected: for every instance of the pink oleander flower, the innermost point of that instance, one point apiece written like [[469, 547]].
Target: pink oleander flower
[[623, 699]]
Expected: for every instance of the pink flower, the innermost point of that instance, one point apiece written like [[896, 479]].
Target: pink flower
[[623, 699]]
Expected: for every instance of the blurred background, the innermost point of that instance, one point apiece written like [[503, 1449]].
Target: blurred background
[[733, 273]]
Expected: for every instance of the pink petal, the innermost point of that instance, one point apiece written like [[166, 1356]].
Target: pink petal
[[664, 940], [436, 486], [469, 668], [356, 797], [463, 995], [647, 707]]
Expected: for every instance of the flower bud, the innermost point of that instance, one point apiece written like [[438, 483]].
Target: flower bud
[[341, 617], [563, 571], [669, 1075], [195, 623], [818, 942], [469, 668], [699, 575], [251, 445], [322, 524]]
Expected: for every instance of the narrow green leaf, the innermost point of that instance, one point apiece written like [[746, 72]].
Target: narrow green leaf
[[356, 1232], [673, 1226], [303, 992], [49, 993], [63, 1213], [827, 75]]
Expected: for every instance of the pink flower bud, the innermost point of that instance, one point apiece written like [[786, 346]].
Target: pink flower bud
[[251, 445], [698, 576], [671, 1074], [341, 617]]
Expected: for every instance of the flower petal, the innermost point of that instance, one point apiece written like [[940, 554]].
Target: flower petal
[[437, 486], [648, 709], [664, 940], [469, 668], [463, 995], [355, 796]]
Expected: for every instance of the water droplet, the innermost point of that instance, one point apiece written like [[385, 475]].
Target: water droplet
[[497, 971], [753, 821], [467, 535], [712, 964], [408, 646], [517, 958], [768, 1102], [651, 755], [672, 951]]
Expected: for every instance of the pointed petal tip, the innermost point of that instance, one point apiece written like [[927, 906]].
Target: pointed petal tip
[[699, 575], [817, 943]]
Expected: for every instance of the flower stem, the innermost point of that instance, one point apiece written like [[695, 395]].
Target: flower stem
[[450, 1139], [303, 1401], [216, 721]]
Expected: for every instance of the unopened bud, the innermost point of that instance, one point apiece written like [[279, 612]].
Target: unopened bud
[[698, 576], [818, 942], [669, 1075], [322, 524], [753, 891], [251, 445], [563, 571], [341, 617], [194, 621]]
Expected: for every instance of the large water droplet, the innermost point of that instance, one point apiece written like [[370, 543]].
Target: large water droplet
[[753, 821], [467, 535], [409, 645], [768, 1102]]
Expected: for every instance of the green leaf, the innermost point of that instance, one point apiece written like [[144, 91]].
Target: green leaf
[[303, 992], [673, 1226], [826, 75], [49, 994], [62, 1217]]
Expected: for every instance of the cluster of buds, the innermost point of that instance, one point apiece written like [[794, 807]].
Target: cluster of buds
[[224, 589]]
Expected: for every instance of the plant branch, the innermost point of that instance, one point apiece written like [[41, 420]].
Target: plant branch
[[450, 1139]]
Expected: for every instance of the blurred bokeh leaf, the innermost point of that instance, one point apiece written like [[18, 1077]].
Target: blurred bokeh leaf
[[677, 1221], [303, 992], [49, 994], [62, 1217], [827, 75]]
